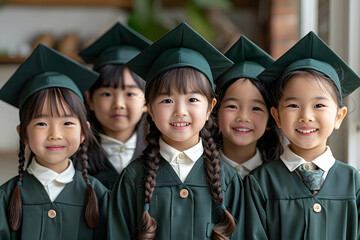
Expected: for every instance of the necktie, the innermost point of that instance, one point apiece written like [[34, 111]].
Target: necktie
[[311, 178]]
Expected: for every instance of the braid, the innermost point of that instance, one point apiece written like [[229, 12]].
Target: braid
[[14, 210], [212, 165], [91, 210], [151, 158]]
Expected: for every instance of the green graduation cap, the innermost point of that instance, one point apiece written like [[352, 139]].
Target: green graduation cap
[[181, 47], [312, 53], [116, 46], [249, 61], [46, 68]]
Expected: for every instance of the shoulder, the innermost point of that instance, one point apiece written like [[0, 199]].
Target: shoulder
[[98, 187], [7, 188], [229, 175], [273, 171], [135, 170]]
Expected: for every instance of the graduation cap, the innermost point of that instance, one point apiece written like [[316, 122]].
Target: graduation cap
[[312, 53], [116, 46], [46, 68], [181, 47], [249, 61]]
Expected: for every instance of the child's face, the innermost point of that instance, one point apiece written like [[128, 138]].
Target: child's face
[[53, 139], [243, 115], [118, 110], [180, 117], [307, 114]]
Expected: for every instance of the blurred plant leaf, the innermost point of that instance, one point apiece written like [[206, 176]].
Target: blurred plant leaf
[[219, 4]]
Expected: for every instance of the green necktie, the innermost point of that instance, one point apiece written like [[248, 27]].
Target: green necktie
[[311, 178]]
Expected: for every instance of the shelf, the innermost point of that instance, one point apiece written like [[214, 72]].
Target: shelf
[[6, 59], [114, 3]]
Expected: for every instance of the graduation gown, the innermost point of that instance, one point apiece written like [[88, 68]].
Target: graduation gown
[[280, 206], [62, 219], [188, 217], [108, 175]]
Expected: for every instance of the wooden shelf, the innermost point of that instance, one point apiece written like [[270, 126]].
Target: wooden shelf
[[7, 59], [114, 3]]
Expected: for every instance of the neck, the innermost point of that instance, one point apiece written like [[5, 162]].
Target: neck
[[121, 136], [308, 154], [239, 154]]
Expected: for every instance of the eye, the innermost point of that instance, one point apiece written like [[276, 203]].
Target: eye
[[231, 107], [192, 100], [293, 106], [257, 109], [41, 124], [130, 94], [319, 105], [105, 94], [68, 123], [167, 101]]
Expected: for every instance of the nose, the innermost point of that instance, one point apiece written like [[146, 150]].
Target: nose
[[55, 134], [243, 116], [119, 101], [306, 115], [180, 109]]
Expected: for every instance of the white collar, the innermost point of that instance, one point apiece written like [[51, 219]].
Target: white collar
[[112, 145], [46, 175], [325, 161], [169, 153], [249, 165]]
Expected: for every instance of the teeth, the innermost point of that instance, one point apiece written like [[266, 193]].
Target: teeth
[[307, 131], [242, 129], [180, 124]]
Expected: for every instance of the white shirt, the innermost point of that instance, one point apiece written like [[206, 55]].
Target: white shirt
[[325, 161], [246, 167], [182, 162], [52, 181], [119, 153]]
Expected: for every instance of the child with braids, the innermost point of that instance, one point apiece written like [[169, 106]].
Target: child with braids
[[178, 188], [50, 199], [307, 193], [249, 136], [116, 103]]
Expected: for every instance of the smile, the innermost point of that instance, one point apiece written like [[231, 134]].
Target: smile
[[306, 131], [179, 124], [242, 129], [55, 148]]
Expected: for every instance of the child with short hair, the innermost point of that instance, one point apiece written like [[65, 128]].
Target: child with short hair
[[308, 194]]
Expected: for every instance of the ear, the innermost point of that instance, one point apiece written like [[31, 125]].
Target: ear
[[82, 134], [213, 103], [88, 100], [275, 115], [26, 140], [340, 117], [149, 110]]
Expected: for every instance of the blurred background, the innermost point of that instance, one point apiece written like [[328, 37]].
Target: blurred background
[[275, 25]]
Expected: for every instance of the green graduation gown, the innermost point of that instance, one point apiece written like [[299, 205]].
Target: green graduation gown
[[38, 220], [108, 175], [280, 206], [190, 217]]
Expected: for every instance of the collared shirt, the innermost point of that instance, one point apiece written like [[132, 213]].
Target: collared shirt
[[119, 153], [52, 181], [246, 167], [325, 161], [182, 162]]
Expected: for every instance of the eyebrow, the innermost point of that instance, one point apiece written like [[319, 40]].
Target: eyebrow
[[237, 100], [131, 86], [61, 116], [297, 99]]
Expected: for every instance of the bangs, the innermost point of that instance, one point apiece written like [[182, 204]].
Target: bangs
[[180, 80]]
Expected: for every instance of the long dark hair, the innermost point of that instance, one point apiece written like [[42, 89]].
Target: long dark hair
[[58, 100], [270, 143], [111, 75], [180, 80]]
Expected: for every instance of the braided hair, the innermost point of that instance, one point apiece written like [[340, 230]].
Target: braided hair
[[58, 100], [180, 80]]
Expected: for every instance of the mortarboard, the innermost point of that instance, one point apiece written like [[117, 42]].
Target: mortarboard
[[46, 68], [117, 46], [181, 47], [249, 61], [312, 53]]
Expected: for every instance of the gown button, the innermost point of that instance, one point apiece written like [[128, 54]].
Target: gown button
[[317, 207], [51, 213], [184, 193]]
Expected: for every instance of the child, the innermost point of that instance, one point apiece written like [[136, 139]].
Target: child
[[116, 102], [178, 188], [50, 200], [249, 136], [308, 194]]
